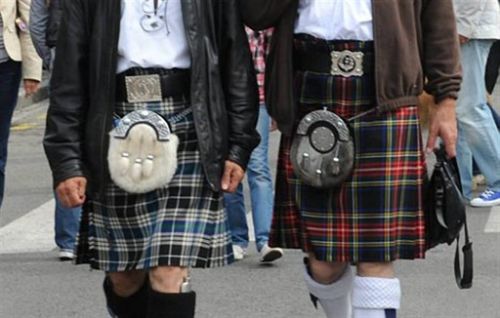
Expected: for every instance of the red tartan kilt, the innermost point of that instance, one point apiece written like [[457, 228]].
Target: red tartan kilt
[[377, 214]]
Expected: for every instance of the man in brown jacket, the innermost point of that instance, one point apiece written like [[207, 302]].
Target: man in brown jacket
[[351, 59]]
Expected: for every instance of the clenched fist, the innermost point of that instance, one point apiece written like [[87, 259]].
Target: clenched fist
[[233, 174], [71, 192]]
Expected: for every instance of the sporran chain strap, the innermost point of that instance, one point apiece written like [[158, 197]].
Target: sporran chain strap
[[363, 114]]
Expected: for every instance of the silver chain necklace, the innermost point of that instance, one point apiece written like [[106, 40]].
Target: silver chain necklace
[[155, 15]]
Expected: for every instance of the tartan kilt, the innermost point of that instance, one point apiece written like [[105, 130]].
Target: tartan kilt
[[183, 224], [376, 215]]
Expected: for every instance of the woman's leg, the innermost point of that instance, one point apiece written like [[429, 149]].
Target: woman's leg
[[10, 78]]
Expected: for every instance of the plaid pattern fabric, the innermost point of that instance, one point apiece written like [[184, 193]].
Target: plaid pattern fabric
[[377, 214], [259, 42], [183, 224]]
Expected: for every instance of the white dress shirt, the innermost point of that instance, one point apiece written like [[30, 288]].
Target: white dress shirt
[[164, 48], [336, 19]]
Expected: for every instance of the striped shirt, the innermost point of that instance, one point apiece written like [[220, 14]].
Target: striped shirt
[[259, 46]]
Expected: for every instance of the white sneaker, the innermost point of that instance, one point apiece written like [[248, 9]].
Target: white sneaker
[[239, 252], [270, 254], [487, 198], [66, 255]]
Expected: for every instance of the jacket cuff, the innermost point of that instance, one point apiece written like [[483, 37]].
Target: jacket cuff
[[239, 155], [448, 89], [66, 171], [33, 71], [440, 98]]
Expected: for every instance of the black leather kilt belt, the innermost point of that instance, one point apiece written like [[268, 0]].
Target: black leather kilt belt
[[137, 85], [338, 63]]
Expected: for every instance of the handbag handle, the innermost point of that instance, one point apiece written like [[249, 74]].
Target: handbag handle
[[464, 280]]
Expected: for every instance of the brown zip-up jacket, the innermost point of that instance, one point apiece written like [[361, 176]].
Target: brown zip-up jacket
[[414, 39]]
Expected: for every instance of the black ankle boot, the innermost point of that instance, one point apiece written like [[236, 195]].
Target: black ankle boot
[[134, 306], [161, 305]]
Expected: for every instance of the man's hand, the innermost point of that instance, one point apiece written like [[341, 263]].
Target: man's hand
[[443, 123], [273, 126], [31, 86], [71, 192], [462, 39], [233, 174]]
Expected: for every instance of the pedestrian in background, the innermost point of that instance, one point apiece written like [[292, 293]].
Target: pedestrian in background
[[18, 60], [258, 172], [45, 18], [137, 58], [491, 77], [322, 56], [478, 24]]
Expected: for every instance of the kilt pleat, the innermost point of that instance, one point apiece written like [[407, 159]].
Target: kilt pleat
[[183, 224], [377, 214]]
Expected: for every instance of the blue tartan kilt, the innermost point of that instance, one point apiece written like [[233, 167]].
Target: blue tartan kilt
[[377, 214], [183, 224]]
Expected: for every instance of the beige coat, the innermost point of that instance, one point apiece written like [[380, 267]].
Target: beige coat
[[18, 43]]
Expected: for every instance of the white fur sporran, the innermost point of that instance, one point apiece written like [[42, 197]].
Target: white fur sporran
[[142, 153]]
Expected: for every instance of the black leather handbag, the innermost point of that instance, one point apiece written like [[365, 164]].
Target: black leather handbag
[[445, 215]]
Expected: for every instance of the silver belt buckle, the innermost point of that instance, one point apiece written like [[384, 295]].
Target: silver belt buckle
[[143, 88], [347, 63]]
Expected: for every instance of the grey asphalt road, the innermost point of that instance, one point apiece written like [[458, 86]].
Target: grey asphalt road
[[38, 285]]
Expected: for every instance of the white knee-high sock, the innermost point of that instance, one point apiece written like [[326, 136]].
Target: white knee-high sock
[[374, 297], [335, 299]]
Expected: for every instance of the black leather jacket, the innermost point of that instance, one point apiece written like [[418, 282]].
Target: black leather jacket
[[223, 88], [55, 14]]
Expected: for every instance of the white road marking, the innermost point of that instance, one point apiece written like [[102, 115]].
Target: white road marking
[[493, 223], [33, 232]]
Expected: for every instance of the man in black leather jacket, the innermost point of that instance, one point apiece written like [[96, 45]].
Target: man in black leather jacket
[[223, 99]]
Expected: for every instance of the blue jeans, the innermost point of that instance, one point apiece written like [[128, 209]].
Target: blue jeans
[[261, 192], [67, 224], [10, 78], [496, 117], [478, 135]]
